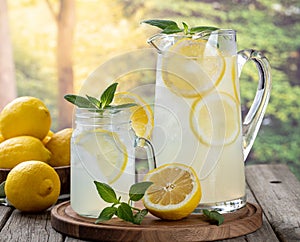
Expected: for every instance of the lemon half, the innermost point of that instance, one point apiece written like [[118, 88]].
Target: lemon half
[[175, 192]]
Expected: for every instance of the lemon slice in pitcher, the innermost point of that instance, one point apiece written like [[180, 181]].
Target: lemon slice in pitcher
[[214, 119], [192, 67], [141, 115], [102, 153]]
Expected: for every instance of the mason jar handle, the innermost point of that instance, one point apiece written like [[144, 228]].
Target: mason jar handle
[[146, 144], [254, 117]]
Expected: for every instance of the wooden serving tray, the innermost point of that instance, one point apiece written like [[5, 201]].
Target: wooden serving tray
[[192, 228]]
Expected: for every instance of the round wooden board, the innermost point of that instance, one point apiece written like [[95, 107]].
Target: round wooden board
[[193, 228]]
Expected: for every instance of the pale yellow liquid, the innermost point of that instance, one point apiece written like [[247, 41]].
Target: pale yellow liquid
[[220, 168], [84, 197]]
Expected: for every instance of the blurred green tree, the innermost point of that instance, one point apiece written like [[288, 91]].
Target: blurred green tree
[[8, 90]]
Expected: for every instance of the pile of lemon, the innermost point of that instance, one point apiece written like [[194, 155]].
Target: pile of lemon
[[30, 149]]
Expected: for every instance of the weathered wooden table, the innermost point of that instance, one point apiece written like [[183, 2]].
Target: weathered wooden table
[[273, 187]]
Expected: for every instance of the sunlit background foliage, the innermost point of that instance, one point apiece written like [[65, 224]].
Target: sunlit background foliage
[[105, 28]]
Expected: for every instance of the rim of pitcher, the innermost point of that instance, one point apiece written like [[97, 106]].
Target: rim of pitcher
[[196, 35]]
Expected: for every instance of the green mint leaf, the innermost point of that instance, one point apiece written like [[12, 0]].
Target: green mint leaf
[[200, 29], [139, 216], [171, 27], [137, 191], [171, 30], [125, 105], [162, 24], [125, 212], [214, 216], [94, 101], [106, 192], [185, 28], [106, 214], [108, 95], [2, 191], [79, 101]]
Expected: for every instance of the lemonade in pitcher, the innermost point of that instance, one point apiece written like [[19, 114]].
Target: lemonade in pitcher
[[197, 111], [205, 121]]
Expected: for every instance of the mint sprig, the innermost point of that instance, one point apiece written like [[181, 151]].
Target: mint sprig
[[121, 209], [214, 216], [104, 102], [171, 27]]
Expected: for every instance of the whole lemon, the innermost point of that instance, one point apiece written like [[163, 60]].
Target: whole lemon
[[25, 116], [48, 137], [59, 146], [32, 186], [22, 148], [1, 138]]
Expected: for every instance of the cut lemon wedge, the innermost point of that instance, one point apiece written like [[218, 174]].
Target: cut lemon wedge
[[192, 67], [141, 115], [175, 192], [214, 119], [102, 153]]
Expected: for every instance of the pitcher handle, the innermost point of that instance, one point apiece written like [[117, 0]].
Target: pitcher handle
[[146, 144], [254, 117]]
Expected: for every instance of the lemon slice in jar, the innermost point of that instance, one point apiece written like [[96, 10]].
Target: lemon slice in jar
[[102, 153], [142, 119]]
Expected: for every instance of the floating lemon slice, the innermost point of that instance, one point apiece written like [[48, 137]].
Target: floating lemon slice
[[141, 115], [102, 151], [175, 192], [192, 67], [214, 119]]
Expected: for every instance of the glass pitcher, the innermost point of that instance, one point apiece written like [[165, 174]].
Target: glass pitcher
[[198, 111], [103, 149]]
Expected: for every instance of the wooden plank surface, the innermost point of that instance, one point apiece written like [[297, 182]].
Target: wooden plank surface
[[272, 186], [278, 193], [29, 228]]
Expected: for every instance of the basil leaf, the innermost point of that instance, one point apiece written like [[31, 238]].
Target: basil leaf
[[108, 95], [139, 216], [124, 212], [162, 24], [214, 216], [106, 214], [106, 192], [79, 101], [2, 191], [137, 191]]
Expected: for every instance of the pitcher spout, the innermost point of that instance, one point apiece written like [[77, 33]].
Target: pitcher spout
[[161, 42]]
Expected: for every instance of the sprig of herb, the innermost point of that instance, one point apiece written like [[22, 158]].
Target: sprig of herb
[[121, 209], [104, 102], [171, 27], [214, 216], [132, 214]]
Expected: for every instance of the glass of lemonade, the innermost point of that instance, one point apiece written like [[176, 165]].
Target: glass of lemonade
[[197, 111], [103, 149]]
